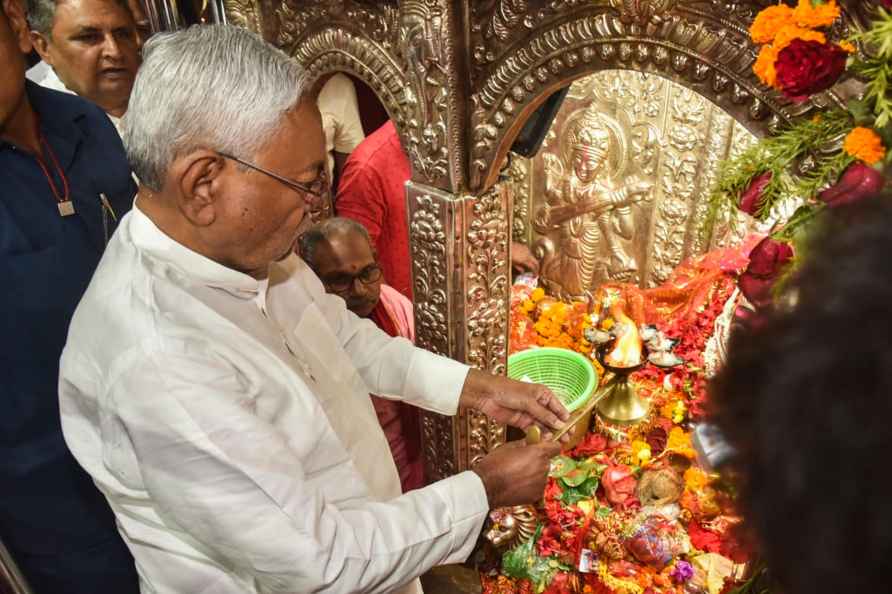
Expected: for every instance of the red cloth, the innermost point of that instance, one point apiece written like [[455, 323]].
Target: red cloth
[[372, 191], [400, 421]]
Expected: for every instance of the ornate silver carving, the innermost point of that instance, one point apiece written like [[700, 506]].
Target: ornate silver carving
[[698, 44], [638, 133], [427, 230], [244, 13]]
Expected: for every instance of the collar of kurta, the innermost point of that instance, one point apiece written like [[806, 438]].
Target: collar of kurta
[[149, 238]]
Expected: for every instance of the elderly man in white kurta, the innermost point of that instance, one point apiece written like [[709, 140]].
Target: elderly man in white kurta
[[219, 397]]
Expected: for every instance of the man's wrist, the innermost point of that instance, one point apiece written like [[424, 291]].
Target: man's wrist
[[471, 394]]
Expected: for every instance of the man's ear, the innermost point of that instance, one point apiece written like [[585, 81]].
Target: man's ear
[[197, 175], [18, 22], [42, 45]]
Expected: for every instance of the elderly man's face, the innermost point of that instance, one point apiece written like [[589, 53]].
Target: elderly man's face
[[93, 48], [345, 263], [14, 43], [258, 218]]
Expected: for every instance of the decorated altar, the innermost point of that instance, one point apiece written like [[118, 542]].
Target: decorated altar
[[630, 509]]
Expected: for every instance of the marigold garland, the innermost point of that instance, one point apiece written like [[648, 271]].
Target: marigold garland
[[864, 144]]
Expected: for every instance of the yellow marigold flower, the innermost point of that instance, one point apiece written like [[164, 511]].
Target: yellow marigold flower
[[787, 34], [813, 16], [769, 21], [667, 410], [537, 294], [764, 66], [527, 306], [847, 47], [680, 442], [695, 479], [641, 452], [864, 144], [678, 412]]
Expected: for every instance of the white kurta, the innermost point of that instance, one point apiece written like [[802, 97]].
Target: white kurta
[[236, 443]]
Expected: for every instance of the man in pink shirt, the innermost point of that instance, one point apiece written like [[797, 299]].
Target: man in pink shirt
[[340, 253], [372, 192]]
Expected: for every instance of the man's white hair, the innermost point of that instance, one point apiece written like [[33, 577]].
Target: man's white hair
[[217, 87]]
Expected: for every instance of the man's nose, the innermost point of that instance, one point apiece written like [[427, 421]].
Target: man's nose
[[111, 49]]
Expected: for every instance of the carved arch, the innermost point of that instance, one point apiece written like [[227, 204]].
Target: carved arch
[[698, 49], [336, 49]]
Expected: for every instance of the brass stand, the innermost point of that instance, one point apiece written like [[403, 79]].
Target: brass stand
[[619, 401]]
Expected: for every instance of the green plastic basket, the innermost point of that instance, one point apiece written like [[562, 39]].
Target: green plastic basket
[[569, 374]]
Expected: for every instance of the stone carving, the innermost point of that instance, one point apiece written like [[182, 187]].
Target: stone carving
[[589, 207]]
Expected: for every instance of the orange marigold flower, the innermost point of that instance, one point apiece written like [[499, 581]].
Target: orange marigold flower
[[864, 144], [847, 47], [764, 66], [537, 294], [769, 21], [813, 16], [787, 34]]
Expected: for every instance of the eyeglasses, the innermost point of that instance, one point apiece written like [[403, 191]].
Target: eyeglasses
[[319, 189], [342, 283]]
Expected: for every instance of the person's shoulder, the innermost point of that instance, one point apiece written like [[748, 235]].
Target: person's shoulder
[[377, 146]]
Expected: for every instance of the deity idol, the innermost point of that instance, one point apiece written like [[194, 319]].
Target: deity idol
[[591, 214]]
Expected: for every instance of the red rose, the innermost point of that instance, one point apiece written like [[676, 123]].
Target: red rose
[[767, 260], [856, 182], [808, 67], [752, 196]]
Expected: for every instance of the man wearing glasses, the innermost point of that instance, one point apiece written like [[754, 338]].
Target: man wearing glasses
[[340, 253], [219, 397]]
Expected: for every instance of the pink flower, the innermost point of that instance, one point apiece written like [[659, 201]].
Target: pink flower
[[856, 182]]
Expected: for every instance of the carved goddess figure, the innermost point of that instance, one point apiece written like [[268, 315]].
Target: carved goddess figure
[[589, 212]]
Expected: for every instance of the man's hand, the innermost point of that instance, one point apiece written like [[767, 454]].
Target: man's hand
[[515, 474], [514, 403], [522, 259]]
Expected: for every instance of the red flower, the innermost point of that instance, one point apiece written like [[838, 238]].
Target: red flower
[[550, 541], [752, 196], [808, 67], [594, 443], [856, 182], [766, 262], [703, 539], [619, 485], [560, 584]]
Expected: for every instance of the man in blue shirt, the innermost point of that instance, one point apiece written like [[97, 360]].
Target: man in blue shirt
[[64, 182]]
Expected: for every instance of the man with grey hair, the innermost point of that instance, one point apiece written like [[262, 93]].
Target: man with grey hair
[[219, 397], [92, 47]]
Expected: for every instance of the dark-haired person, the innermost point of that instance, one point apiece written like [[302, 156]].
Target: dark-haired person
[[64, 180], [340, 253], [92, 48], [806, 400]]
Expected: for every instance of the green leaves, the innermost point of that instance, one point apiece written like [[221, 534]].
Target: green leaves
[[523, 562], [578, 480]]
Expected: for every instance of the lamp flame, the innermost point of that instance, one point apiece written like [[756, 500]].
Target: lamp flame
[[628, 349]]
